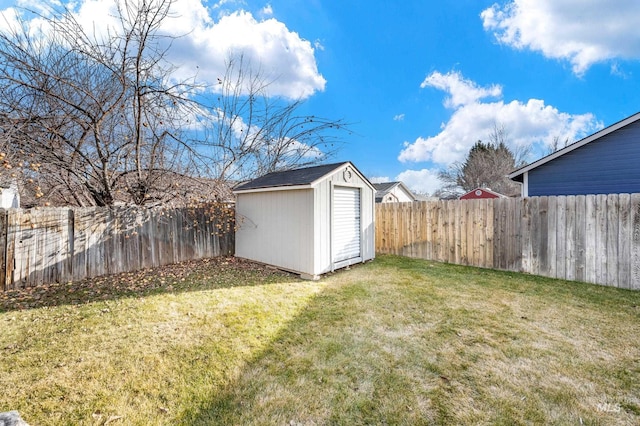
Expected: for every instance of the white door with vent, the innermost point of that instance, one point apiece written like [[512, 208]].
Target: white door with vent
[[346, 225]]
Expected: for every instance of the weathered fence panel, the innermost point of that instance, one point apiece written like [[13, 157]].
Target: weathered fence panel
[[40, 246], [3, 248], [592, 238]]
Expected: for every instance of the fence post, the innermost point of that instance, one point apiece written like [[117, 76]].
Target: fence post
[[71, 249], [3, 249]]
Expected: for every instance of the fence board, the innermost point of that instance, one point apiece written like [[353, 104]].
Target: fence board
[[590, 238], [635, 242], [612, 220], [561, 238], [585, 238], [543, 236], [624, 240], [515, 238], [526, 234], [536, 236], [463, 234], [601, 239], [571, 244], [451, 234], [499, 225], [59, 244], [551, 251], [3, 250], [489, 232]]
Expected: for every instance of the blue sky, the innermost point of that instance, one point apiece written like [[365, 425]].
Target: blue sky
[[422, 81]]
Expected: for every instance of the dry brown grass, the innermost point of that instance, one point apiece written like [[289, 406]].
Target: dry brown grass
[[395, 341]]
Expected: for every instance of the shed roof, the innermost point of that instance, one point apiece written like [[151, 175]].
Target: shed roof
[[289, 178], [517, 174]]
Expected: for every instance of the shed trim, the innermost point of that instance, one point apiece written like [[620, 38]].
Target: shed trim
[[351, 261], [273, 188], [331, 168]]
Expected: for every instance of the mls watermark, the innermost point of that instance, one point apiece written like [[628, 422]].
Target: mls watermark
[[608, 407]]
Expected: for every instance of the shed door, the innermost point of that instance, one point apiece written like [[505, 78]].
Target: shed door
[[346, 223]]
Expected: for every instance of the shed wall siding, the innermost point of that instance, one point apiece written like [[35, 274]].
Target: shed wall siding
[[323, 207], [277, 219], [608, 165]]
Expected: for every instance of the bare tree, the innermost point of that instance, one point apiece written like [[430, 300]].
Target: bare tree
[[486, 166], [105, 120], [556, 145], [97, 111], [252, 133]]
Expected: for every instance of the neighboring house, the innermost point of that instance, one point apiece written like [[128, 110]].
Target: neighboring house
[[310, 221], [393, 192], [10, 197], [607, 162], [479, 193]]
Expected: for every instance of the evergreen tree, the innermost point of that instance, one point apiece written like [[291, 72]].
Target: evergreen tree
[[486, 166]]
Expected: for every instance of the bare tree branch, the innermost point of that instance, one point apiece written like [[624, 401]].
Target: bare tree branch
[[106, 121]]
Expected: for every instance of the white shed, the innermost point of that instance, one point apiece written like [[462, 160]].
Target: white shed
[[309, 221], [10, 197], [393, 192]]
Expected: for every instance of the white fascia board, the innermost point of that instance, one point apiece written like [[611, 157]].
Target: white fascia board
[[576, 145], [274, 188]]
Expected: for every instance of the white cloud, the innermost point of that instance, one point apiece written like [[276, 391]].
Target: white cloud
[[398, 117], [203, 45], [266, 11], [582, 32], [221, 4], [268, 45], [530, 123], [424, 181], [379, 179], [461, 91]]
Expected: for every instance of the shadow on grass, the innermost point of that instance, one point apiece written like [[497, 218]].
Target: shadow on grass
[[363, 351], [327, 367], [204, 274]]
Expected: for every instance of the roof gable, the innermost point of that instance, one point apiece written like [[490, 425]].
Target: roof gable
[[481, 193], [517, 174], [304, 177], [384, 188]]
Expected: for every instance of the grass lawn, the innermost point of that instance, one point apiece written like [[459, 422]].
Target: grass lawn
[[394, 341]]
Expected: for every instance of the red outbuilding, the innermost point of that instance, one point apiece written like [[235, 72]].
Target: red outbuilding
[[481, 193]]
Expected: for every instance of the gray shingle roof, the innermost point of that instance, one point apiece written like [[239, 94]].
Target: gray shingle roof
[[295, 177], [383, 188]]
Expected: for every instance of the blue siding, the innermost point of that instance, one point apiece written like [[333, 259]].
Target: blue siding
[[609, 165]]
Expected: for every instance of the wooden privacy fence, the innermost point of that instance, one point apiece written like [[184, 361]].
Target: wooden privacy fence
[[40, 246], [592, 238]]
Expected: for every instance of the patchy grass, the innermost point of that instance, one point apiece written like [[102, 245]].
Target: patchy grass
[[395, 341]]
